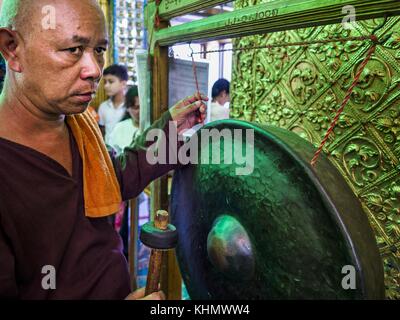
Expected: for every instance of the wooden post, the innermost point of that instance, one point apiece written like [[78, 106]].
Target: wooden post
[[133, 243], [171, 281]]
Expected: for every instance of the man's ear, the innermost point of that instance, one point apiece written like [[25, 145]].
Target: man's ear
[[8, 48]]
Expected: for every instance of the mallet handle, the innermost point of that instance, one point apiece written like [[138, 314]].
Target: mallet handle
[[153, 276]]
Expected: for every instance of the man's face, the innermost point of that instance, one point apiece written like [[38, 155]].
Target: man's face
[[113, 85], [61, 67], [134, 109]]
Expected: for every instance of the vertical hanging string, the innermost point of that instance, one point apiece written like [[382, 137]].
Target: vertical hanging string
[[346, 100], [195, 72]]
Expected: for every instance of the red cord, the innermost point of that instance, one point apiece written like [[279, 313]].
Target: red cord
[[344, 103], [195, 77]]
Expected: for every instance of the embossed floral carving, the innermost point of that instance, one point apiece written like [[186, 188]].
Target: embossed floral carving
[[374, 82], [386, 206], [362, 160], [394, 43], [305, 81], [372, 23], [277, 59], [389, 125], [243, 82], [275, 111], [322, 113], [262, 78], [335, 54], [392, 276], [305, 32]]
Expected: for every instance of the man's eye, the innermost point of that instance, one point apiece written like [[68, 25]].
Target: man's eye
[[74, 50], [100, 50]]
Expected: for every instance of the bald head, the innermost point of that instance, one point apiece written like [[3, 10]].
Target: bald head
[[27, 15], [55, 52]]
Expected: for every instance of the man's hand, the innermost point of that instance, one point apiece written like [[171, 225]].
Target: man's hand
[[189, 112], [139, 295]]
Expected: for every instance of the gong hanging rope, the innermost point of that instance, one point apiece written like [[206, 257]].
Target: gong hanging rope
[[373, 38], [344, 103], [195, 72]]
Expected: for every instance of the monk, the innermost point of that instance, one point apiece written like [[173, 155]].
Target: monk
[[47, 227]]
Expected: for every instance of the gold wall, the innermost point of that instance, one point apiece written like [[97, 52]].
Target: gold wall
[[300, 89]]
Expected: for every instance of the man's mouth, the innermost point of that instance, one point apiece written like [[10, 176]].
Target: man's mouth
[[87, 93], [86, 96]]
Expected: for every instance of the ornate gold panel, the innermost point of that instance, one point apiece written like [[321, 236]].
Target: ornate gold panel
[[300, 88]]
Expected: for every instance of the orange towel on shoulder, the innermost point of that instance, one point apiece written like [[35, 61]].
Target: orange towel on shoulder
[[101, 189]]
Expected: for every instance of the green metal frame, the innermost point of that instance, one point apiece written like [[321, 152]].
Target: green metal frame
[[274, 16], [173, 8]]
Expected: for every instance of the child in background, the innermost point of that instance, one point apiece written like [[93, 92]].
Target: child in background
[[126, 131], [113, 110]]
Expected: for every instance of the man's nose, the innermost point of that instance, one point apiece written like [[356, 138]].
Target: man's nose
[[91, 68]]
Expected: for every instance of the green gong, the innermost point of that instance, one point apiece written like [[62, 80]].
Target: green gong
[[261, 223]]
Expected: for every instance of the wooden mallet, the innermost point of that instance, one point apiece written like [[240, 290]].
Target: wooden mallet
[[159, 236]]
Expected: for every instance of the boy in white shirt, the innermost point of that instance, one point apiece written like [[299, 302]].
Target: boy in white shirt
[[113, 110], [220, 97]]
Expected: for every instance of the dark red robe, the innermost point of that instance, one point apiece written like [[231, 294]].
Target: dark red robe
[[42, 222]]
